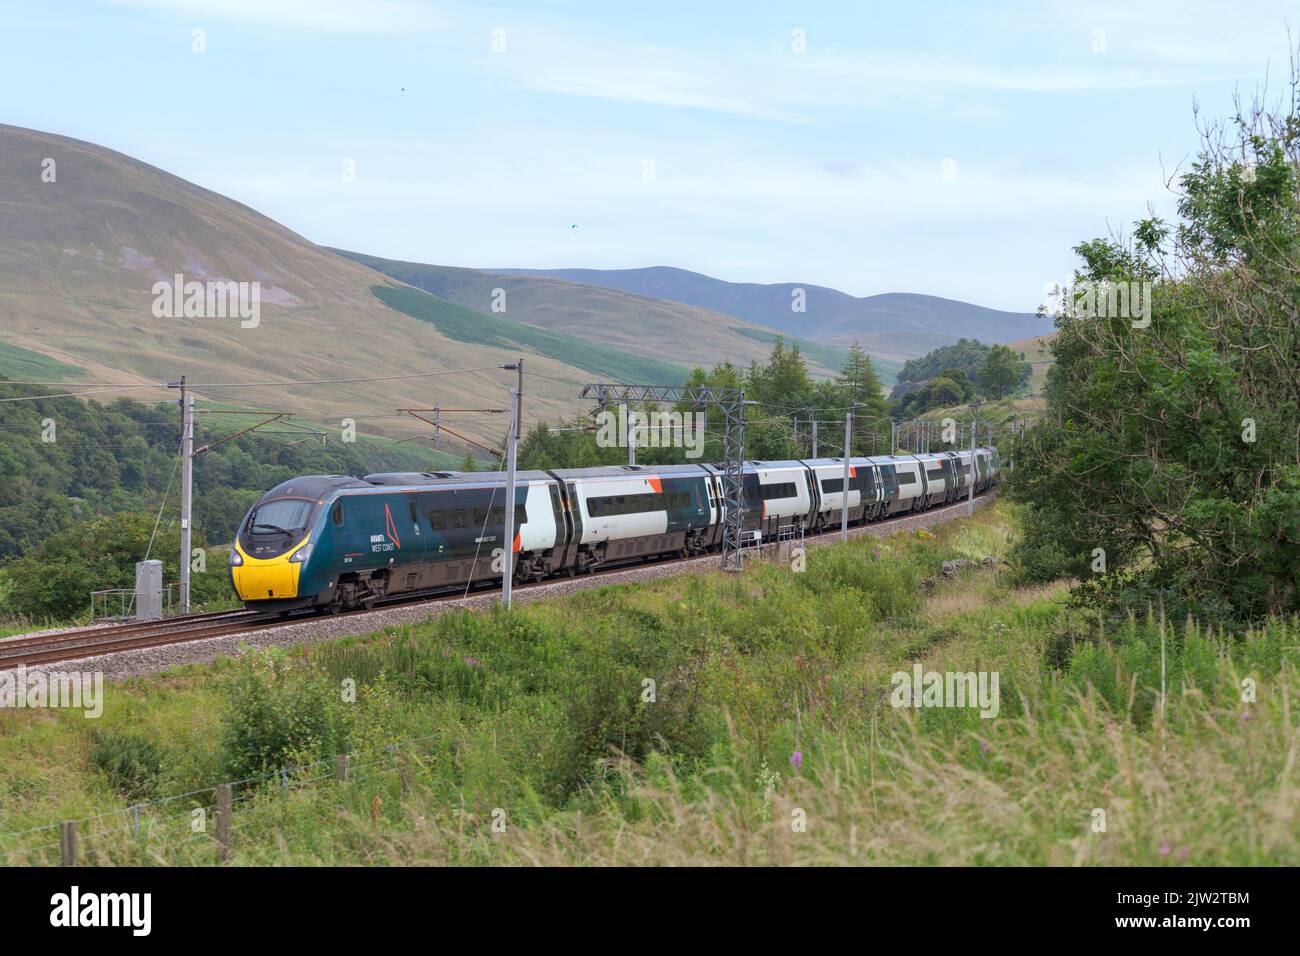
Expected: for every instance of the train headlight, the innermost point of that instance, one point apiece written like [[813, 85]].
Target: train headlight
[[236, 559], [302, 555]]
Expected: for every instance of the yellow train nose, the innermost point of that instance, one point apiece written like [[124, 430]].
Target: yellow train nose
[[261, 579]]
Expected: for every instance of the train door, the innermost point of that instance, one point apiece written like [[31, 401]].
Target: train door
[[575, 525], [563, 527], [889, 478], [413, 533], [715, 507]]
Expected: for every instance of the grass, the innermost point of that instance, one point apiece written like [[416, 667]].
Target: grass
[[479, 328], [543, 722], [23, 364]]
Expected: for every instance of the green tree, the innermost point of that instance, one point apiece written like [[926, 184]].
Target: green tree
[[1169, 450], [54, 581], [1002, 372], [871, 422], [942, 392]]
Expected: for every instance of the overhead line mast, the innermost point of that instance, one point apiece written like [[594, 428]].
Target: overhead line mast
[[512, 455], [731, 402]]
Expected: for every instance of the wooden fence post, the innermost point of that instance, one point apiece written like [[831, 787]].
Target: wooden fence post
[[224, 813], [68, 843], [341, 765]]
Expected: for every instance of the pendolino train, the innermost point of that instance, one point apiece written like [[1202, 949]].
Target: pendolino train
[[333, 542]]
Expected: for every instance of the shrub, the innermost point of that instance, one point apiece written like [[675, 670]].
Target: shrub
[[132, 763], [278, 713]]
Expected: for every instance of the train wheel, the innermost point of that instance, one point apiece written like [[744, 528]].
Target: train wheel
[[368, 604]]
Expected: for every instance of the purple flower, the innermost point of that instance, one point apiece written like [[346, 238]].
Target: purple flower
[[1164, 848], [796, 760], [472, 662], [984, 748]]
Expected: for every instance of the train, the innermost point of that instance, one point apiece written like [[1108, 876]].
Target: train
[[334, 542]]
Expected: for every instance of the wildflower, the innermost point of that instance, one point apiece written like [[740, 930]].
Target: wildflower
[[796, 760], [1164, 848]]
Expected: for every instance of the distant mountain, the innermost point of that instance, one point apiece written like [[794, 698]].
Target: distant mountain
[[86, 233], [633, 322], [895, 325]]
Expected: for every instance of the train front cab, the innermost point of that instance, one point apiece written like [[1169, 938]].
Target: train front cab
[[276, 540]]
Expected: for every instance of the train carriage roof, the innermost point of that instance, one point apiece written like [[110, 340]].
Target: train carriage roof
[[427, 481], [766, 465], [629, 471], [313, 486], [832, 462]]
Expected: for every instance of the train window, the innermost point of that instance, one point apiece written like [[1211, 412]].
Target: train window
[[458, 518], [437, 520], [784, 490], [480, 517], [336, 515], [906, 478], [415, 517], [634, 504]]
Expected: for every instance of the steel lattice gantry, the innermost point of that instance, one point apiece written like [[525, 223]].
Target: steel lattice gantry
[[731, 402]]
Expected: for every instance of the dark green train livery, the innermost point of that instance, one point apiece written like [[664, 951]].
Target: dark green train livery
[[334, 542]]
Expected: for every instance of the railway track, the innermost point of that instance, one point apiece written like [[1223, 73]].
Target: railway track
[[92, 641], [110, 639]]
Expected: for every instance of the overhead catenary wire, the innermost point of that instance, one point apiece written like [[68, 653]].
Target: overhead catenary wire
[[94, 388]]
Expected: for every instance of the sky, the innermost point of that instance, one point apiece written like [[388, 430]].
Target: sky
[[953, 149]]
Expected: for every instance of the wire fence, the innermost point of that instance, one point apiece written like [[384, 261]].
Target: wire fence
[[204, 821]]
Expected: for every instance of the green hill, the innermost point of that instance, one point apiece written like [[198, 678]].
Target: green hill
[[658, 329]]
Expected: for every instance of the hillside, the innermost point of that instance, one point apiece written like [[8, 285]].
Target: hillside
[[79, 257], [1037, 351], [894, 325], [640, 324]]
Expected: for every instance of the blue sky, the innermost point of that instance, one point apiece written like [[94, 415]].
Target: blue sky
[[947, 148]]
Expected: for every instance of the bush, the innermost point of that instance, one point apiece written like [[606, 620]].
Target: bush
[[132, 763], [280, 714]]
